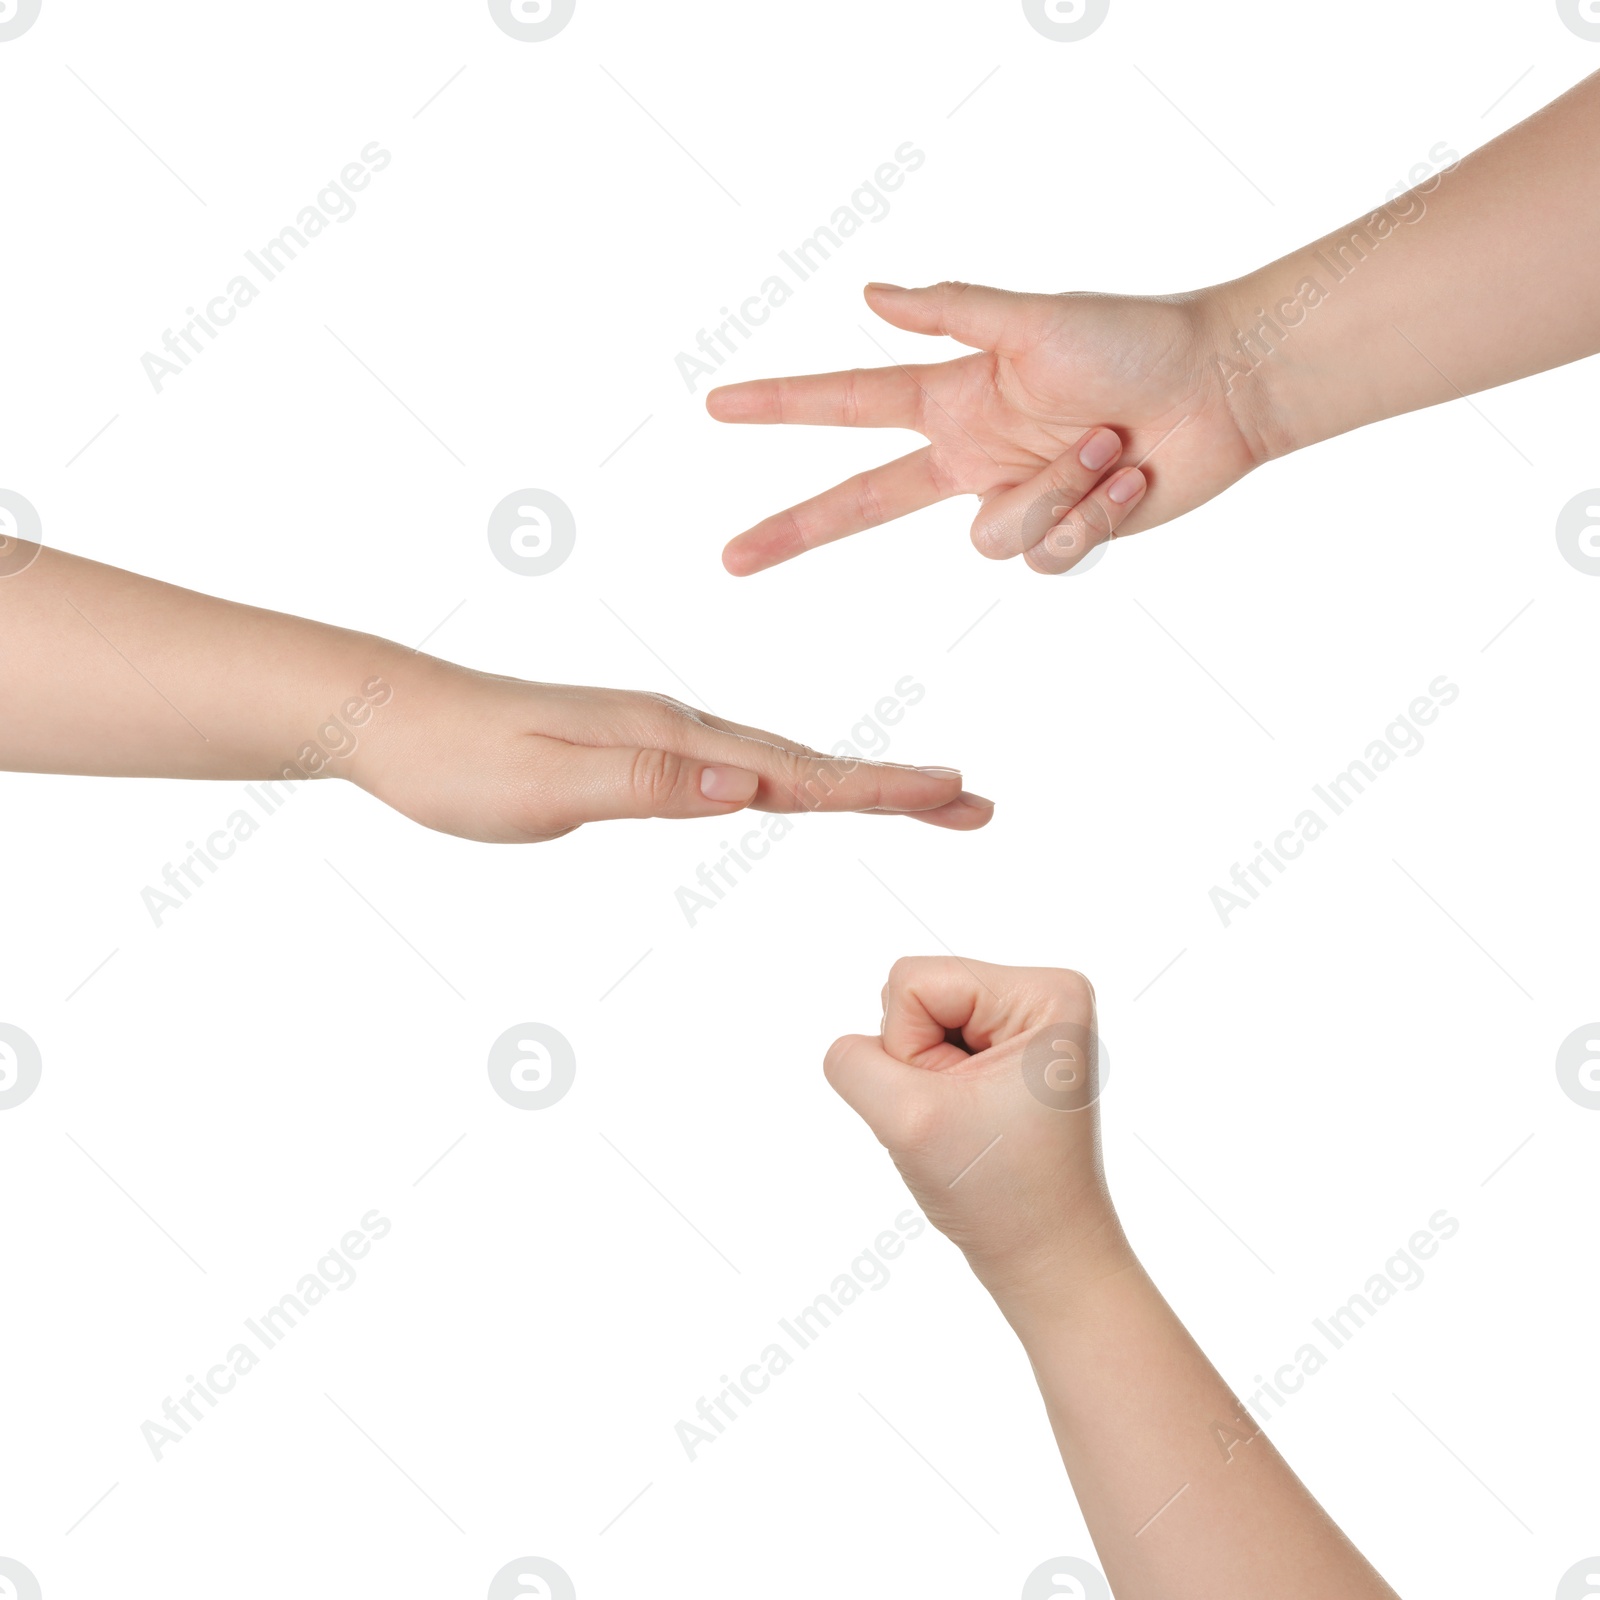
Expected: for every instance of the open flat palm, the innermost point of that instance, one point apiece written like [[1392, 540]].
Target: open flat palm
[[1082, 417]]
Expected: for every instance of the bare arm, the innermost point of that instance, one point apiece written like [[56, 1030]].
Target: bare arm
[[1081, 417], [109, 673], [1482, 274], [997, 1136], [1177, 1482]]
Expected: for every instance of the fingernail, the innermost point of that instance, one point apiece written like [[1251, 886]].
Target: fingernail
[[894, 288], [1100, 450], [1126, 486], [726, 784], [939, 772], [968, 798]]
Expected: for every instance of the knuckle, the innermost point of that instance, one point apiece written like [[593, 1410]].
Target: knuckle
[[541, 818], [903, 972], [665, 704], [913, 1128], [663, 717], [833, 1063], [850, 399], [550, 835], [1068, 475], [539, 808], [1067, 540], [801, 519], [907, 970], [1075, 535], [1039, 517], [812, 781], [1057, 551], [1096, 517], [869, 506], [657, 776], [1074, 987]]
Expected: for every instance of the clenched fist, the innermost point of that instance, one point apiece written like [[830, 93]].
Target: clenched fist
[[983, 1085]]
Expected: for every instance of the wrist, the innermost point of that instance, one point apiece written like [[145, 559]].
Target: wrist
[[1052, 1284], [1290, 339], [1259, 344], [1061, 1307], [341, 713]]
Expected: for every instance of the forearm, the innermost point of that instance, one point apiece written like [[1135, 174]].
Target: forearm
[[110, 673], [1181, 1491], [1481, 275]]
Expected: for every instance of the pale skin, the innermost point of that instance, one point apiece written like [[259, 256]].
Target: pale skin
[[1182, 1492], [1083, 417], [109, 673]]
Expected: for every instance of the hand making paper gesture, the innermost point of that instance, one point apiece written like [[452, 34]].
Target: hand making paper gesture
[[112, 674]]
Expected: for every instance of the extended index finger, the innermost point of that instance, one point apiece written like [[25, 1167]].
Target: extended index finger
[[868, 397]]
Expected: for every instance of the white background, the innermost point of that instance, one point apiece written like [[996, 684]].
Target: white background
[[1291, 1097]]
